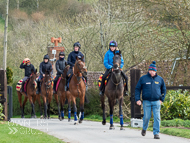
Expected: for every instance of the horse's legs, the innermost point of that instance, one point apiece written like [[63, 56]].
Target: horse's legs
[[20, 101], [39, 103], [82, 108], [57, 101], [103, 108], [121, 112], [45, 107], [69, 105], [111, 104], [75, 110], [49, 102], [23, 105], [48, 110], [33, 115], [62, 99]]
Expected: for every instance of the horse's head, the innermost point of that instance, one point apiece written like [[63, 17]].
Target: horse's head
[[48, 78], [80, 67], [66, 69], [117, 61], [33, 76]]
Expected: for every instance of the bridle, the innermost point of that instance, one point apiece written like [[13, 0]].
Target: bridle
[[80, 71]]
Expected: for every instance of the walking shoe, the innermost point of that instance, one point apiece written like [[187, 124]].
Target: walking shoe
[[143, 133], [156, 136]]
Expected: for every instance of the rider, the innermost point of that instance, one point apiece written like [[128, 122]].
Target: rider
[[108, 63], [60, 65], [72, 58], [26, 64], [44, 66]]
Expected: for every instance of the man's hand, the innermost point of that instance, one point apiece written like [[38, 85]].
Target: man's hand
[[160, 102], [139, 103], [43, 75]]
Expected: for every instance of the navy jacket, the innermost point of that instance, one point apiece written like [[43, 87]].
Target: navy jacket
[[72, 58], [153, 88], [60, 66], [45, 67], [28, 69]]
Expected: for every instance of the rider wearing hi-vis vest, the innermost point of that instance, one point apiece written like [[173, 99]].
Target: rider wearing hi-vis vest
[[60, 66], [108, 63], [26, 64]]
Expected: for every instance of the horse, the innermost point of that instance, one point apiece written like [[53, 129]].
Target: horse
[[77, 88], [114, 90], [61, 92], [30, 94], [47, 93]]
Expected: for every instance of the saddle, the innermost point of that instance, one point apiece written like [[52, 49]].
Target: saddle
[[19, 85], [106, 80], [100, 79]]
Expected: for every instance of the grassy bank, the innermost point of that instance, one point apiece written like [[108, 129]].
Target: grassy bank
[[23, 134], [96, 118]]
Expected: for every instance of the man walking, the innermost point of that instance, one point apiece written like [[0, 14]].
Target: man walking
[[153, 94]]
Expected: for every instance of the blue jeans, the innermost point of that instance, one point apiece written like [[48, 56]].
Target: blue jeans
[[149, 106]]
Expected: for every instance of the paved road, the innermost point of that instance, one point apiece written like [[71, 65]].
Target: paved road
[[93, 132]]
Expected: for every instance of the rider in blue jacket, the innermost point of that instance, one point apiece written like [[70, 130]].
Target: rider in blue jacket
[[108, 63]]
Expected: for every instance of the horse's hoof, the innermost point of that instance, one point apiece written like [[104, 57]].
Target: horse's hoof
[[75, 123], [80, 121], [41, 117], [48, 117], [122, 128], [60, 119], [22, 117], [104, 122], [69, 120], [112, 127]]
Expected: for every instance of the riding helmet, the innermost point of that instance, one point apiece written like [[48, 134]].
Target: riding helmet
[[77, 44], [46, 57], [113, 44], [61, 53]]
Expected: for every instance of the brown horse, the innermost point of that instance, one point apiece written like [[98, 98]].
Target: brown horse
[[61, 92], [30, 94], [47, 93], [114, 90], [77, 88]]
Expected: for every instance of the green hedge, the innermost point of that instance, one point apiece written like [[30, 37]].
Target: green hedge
[[176, 123], [176, 105]]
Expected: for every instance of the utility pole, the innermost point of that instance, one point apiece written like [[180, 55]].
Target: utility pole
[[5, 38]]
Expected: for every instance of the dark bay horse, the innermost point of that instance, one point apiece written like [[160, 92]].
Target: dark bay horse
[[47, 93], [61, 94], [77, 88], [30, 94], [114, 90]]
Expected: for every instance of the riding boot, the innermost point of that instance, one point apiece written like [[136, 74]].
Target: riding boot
[[38, 87], [126, 81], [102, 86], [54, 87], [22, 88], [86, 83]]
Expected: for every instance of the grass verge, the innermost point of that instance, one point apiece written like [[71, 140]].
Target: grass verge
[[96, 118], [23, 134], [171, 131]]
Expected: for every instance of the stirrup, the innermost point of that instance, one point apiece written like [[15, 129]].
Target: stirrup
[[101, 93]]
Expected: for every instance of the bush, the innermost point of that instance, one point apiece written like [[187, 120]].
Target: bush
[[9, 75], [176, 105], [1, 110], [176, 123]]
